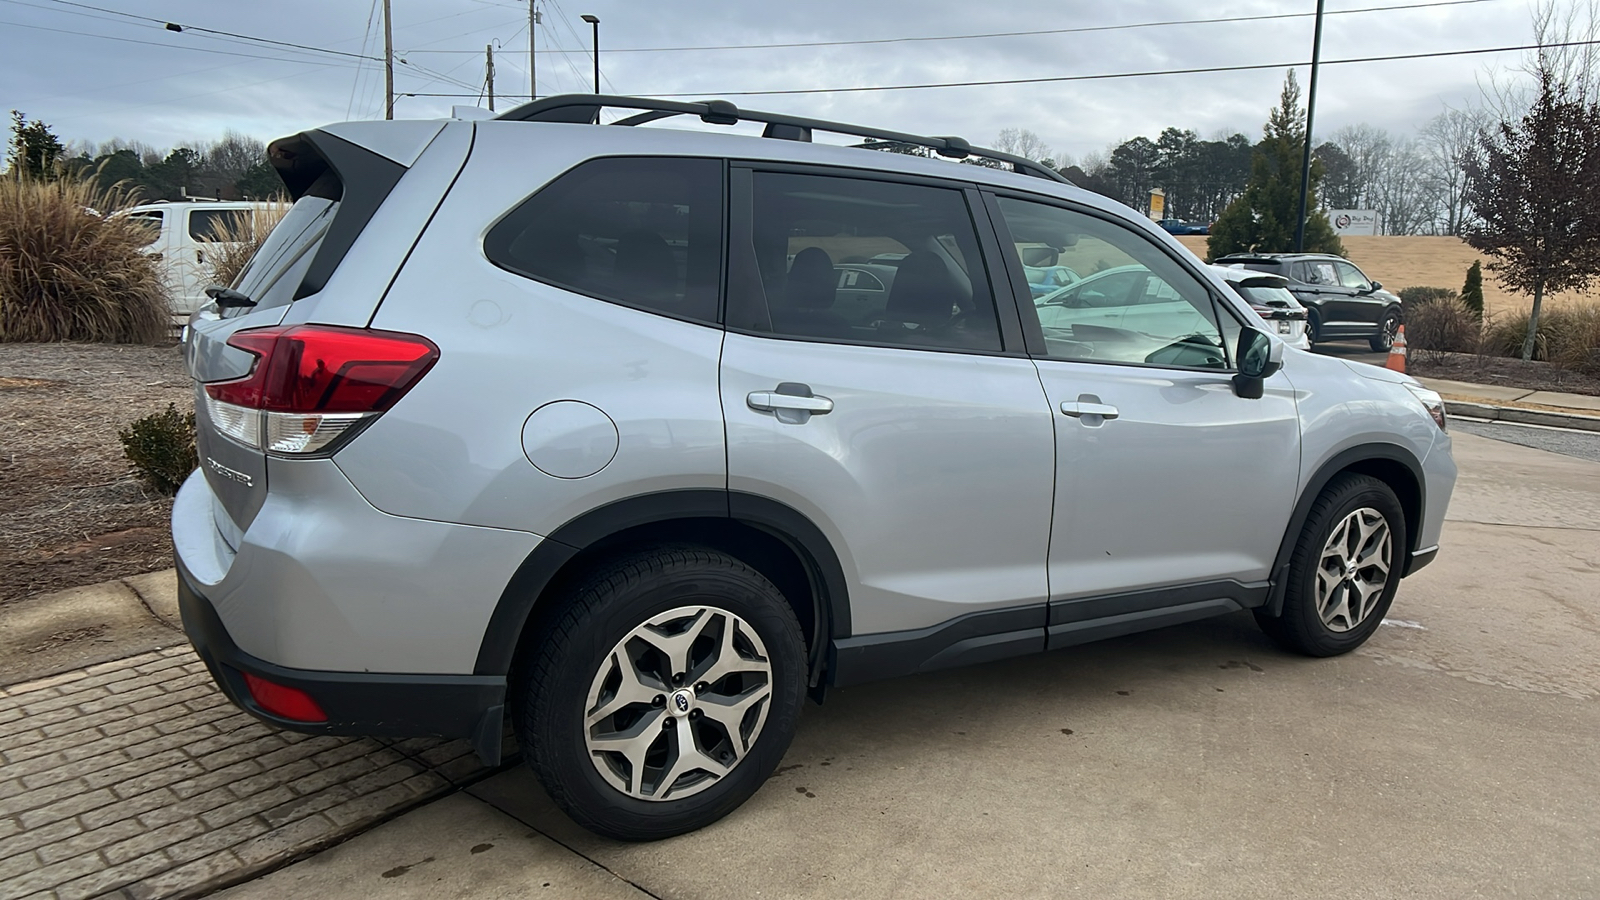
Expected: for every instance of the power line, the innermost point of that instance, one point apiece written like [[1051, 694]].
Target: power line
[[246, 37], [108, 37], [1000, 34], [1111, 75]]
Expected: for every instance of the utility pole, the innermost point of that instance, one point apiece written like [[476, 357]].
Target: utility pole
[[488, 50], [388, 62], [1305, 161], [533, 22]]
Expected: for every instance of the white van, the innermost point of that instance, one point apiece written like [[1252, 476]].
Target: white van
[[181, 229]]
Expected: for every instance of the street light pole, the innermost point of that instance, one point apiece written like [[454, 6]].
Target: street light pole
[[595, 21], [1305, 161]]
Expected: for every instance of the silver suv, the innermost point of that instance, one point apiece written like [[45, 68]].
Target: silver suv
[[636, 436]]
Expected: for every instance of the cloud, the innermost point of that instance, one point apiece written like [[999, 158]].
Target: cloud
[[91, 84]]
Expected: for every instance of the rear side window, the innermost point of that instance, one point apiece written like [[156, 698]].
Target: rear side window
[[149, 222], [641, 232], [219, 224]]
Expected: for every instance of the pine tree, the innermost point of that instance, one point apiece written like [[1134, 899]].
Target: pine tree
[[1472, 291], [34, 150], [1262, 219]]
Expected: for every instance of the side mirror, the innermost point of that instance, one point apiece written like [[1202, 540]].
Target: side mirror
[[1259, 357], [1377, 285]]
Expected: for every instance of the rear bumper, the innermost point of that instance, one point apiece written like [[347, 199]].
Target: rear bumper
[[356, 703]]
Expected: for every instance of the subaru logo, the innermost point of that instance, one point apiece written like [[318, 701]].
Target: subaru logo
[[681, 700]]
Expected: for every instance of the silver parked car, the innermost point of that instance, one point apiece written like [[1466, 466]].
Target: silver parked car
[[638, 436]]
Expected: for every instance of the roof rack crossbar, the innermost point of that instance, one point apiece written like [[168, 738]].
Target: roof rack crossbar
[[580, 108]]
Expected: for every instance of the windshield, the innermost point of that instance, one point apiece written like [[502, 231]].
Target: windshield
[[274, 273]]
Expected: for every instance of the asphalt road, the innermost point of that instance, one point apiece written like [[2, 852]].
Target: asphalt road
[[1453, 756]]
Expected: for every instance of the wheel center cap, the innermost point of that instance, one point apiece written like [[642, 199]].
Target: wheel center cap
[[1350, 571], [680, 702]]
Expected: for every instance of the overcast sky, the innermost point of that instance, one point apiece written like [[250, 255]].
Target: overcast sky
[[84, 72]]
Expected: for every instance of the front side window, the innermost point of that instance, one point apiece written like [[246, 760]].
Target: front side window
[[149, 224], [641, 232], [1125, 301], [1351, 277], [864, 261]]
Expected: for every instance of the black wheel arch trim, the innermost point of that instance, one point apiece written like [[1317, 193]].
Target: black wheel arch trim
[[1325, 473], [501, 637]]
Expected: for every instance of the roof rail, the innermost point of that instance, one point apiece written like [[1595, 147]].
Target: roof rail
[[585, 109]]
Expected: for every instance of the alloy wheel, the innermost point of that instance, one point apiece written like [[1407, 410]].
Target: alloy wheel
[[678, 703], [1354, 569]]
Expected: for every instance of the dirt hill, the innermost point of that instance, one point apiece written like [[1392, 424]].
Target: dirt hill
[[1404, 261]]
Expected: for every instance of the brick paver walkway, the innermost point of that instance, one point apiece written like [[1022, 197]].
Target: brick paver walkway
[[138, 778]]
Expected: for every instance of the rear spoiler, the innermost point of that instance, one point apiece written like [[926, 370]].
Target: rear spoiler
[[318, 164]]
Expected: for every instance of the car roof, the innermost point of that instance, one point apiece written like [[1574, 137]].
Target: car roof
[[1239, 276]]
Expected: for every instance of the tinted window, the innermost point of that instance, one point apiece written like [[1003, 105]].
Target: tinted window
[[866, 261], [276, 270], [1127, 301], [219, 224], [642, 232], [1319, 273], [1351, 277]]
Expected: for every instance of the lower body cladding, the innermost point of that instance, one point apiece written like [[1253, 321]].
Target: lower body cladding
[[332, 617]]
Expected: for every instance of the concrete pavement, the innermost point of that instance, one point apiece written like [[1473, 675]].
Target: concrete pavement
[[1453, 756]]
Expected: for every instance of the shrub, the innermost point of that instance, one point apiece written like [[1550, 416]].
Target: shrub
[[161, 448], [1441, 326], [71, 271], [1575, 341], [236, 241], [1472, 290], [1417, 296]]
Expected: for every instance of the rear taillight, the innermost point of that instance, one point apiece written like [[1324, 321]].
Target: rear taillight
[[313, 384]]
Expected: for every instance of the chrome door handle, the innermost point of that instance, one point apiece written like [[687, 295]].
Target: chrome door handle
[[769, 401], [1078, 409]]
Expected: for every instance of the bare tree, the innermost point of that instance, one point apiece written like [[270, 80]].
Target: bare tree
[[1508, 93], [1022, 142], [1535, 186], [231, 157], [1444, 143]]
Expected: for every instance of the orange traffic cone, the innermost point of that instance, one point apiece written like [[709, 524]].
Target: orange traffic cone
[[1397, 352]]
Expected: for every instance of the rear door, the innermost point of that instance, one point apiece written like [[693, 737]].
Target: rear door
[[1365, 307], [915, 437]]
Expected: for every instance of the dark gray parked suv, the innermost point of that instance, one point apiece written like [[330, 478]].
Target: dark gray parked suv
[[1343, 303]]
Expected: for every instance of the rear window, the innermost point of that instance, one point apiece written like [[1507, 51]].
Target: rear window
[[1268, 296], [149, 223], [277, 269], [645, 233]]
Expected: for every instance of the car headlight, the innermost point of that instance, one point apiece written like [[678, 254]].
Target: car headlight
[[1431, 401]]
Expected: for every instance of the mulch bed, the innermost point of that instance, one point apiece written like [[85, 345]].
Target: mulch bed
[[1514, 373], [71, 510]]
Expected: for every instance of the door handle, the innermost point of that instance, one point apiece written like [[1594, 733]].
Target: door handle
[[1078, 409], [769, 401]]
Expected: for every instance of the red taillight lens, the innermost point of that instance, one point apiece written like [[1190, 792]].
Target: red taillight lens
[[318, 368], [313, 386], [283, 701]]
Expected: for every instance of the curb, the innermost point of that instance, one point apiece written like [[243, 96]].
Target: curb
[[1520, 416]]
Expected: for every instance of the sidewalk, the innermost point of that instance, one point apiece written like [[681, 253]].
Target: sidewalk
[[1508, 404], [138, 776]]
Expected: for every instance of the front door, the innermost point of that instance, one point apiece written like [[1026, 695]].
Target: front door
[[1172, 493], [893, 419]]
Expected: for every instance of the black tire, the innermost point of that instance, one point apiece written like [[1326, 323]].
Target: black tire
[[1301, 628], [1387, 326], [564, 657], [1313, 327]]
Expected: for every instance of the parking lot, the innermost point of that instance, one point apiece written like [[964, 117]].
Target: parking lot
[[1452, 756]]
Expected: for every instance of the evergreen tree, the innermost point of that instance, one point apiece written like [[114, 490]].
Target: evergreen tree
[[1472, 291], [1262, 219], [34, 149]]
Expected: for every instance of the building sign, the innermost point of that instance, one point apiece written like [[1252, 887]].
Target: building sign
[[1354, 221], [1158, 204]]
